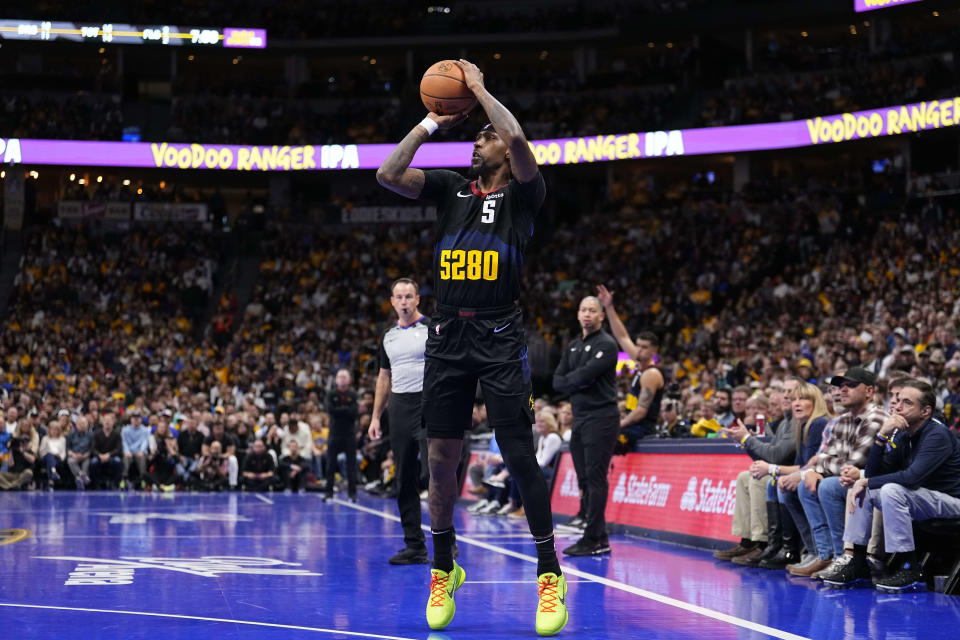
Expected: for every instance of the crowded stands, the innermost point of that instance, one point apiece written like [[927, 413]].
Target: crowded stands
[[134, 357]]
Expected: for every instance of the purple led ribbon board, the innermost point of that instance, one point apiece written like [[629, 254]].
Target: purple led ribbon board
[[245, 38], [870, 5], [845, 127]]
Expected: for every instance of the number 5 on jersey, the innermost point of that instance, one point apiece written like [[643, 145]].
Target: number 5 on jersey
[[488, 210]]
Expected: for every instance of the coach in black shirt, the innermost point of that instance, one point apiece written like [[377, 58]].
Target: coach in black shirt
[[588, 372]]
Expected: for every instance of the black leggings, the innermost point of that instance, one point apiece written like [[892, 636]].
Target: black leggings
[[516, 447]]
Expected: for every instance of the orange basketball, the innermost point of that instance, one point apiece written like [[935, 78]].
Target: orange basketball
[[443, 90]]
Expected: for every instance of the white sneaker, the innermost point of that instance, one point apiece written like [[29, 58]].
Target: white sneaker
[[505, 509], [491, 509], [478, 505]]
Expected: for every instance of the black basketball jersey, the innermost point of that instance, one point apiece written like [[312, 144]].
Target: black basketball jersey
[[633, 397], [481, 238]]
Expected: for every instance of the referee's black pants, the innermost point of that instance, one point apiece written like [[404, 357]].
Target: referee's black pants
[[342, 443], [408, 439], [591, 447]]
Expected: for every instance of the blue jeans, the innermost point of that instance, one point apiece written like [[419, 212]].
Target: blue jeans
[[825, 513], [791, 501], [900, 508], [52, 461], [772, 492]]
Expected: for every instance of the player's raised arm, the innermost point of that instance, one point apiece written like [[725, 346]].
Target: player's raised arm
[[395, 172], [523, 164]]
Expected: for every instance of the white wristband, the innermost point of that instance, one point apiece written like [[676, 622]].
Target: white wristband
[[774, 469], [429, 125]]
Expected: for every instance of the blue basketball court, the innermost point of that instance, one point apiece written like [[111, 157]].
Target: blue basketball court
[[240, 565]]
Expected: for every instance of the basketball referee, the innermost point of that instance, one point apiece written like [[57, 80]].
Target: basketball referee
[[483, 227], [400, 390]]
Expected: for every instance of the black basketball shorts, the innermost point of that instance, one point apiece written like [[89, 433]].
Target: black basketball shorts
[[465, 347]]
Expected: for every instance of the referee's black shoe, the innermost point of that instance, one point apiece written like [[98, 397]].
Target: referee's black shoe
[[411, 555], [587, 547]]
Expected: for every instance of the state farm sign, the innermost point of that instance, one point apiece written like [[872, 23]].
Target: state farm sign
[[679, 493]]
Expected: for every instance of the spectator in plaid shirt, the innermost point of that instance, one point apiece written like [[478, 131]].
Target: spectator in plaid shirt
[[823, 492]]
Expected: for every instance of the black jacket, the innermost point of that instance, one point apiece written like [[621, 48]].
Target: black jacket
[[588, 372], [342, 407]]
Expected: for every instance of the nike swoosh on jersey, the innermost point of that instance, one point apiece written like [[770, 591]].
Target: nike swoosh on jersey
[[502, 328], [461, 195]]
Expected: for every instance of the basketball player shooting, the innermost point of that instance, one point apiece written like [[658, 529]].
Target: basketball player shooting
[[477, 334]]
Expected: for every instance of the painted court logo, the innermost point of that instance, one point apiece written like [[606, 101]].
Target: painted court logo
[[103, 572], [9, 536], [142, 518]]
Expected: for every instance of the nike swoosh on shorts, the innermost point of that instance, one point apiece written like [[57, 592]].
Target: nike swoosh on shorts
[[502, 328]]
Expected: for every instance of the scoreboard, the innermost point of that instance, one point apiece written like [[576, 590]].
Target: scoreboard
[[113, 33]]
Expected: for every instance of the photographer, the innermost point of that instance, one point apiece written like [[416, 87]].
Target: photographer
[[213, 469], [672, 424], [228, 448]]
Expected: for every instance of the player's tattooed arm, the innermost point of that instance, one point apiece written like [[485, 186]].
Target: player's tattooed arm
[[395, 172], [640, 411], [523, 164], [646, 399]]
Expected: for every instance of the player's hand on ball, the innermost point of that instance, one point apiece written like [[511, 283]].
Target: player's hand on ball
[[472, 75], [448, 122]]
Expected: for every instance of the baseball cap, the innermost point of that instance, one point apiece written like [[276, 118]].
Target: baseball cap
[[938, 356], [953, 371], [907, 349], [855, 374], [900, 331], [804, 362]]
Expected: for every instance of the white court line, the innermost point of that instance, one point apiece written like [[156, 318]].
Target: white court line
[[614, 584], [148, 614], [262, 498]]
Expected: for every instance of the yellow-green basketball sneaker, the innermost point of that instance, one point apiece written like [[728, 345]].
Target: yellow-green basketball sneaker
[[552, 608], [440, 606]]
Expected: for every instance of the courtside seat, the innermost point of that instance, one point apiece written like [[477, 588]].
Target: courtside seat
[[938, 546]]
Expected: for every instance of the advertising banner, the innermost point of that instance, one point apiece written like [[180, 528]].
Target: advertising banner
[[821, 130], [686, 494], [870, 5], [388, 214], [79, 210], [169, 212]]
